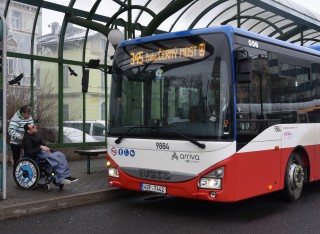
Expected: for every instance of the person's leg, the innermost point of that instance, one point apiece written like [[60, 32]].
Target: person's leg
[[58, 163], [62, 170], [16, 151]]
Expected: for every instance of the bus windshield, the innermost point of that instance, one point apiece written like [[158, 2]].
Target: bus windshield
[[173, 88]]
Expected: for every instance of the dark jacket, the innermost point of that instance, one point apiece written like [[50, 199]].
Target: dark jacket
[[31, 145]]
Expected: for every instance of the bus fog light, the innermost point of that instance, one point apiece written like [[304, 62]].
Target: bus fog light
[[210, 183], [213, 194], [113, 172], [110, 182]]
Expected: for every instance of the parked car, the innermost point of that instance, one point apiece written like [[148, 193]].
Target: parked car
[[73, 135], [96, 129], [70, 135]]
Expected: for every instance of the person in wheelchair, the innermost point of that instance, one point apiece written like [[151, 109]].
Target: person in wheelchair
[[34, 146]]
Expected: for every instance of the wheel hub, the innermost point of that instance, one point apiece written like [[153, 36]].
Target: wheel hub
[[296, 176], [25, 174]]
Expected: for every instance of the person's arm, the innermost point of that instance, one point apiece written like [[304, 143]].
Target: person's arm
[[30, 149], [43, 146], [15, 124], [12, 129]]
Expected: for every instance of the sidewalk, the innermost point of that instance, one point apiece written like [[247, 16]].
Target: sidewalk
[[90, 188]]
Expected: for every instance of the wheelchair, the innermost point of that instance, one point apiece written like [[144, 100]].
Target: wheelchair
[[30, 172]]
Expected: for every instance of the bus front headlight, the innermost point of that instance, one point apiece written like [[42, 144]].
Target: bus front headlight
[[112, 170], [210, 183], [212, 180]]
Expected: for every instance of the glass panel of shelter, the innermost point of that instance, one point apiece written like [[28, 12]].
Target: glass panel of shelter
[[47, 43]]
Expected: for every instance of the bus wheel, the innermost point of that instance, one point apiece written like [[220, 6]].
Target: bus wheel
[[294, 177]]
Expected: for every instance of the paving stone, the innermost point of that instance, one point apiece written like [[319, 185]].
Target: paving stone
[[89, 188]]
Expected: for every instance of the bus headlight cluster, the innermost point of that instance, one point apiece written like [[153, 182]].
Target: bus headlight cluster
[[210, 183], [212, 180], [112, 171]]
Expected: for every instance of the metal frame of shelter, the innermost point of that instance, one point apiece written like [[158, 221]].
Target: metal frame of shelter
[[263, 16], [280, 19]]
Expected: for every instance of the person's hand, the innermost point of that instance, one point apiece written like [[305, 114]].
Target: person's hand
[[45, 148]]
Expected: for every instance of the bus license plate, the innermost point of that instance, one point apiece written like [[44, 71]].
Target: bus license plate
[[153, 188]]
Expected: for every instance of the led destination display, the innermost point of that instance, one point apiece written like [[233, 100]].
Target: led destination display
[[141, 57]]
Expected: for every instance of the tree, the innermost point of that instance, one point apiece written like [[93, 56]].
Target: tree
[[45, 109]]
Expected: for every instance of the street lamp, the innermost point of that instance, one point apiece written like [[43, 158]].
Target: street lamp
[[115, 36]]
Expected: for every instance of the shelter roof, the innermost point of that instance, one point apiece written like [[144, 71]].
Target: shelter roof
[[282, 19]]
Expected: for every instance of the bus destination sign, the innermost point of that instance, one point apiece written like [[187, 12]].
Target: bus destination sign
[[141, 57]]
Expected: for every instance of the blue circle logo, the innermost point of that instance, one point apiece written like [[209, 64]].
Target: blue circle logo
[[126, 152], [132, 153], [120, 152]]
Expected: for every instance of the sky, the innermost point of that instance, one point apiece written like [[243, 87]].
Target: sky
[[312, 5]]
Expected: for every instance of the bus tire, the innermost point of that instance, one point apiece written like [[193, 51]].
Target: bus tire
[[294, 177]]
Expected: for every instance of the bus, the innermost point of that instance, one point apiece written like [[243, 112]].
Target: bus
[[218, 114]]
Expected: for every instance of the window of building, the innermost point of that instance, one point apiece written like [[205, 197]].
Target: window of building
[[65, 112], [10, 66], [103, 110], [102, 81], [65, 76], [37, 78], [103, 43], [16, 20]]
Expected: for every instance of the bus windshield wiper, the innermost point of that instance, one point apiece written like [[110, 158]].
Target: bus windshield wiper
[[135, 127], [118, 141], [201, 145]]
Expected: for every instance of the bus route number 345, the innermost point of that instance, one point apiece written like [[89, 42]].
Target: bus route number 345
[[162, 145]]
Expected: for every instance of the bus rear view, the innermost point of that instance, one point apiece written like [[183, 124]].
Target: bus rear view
[[170, 116]]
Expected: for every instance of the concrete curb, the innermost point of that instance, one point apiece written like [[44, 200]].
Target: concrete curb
[[24, 209]]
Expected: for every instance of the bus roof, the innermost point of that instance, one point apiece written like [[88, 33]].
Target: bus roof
[[226, 29]]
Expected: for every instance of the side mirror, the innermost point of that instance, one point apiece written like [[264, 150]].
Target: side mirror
[[244, 66]]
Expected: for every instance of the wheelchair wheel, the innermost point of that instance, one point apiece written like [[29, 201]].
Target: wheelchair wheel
[[26, 173]]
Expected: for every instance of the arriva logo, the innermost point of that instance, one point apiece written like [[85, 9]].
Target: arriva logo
[[253, 43], [174, 156], [190, 157]]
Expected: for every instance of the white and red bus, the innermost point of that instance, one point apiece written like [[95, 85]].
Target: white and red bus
[[219, 114]]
